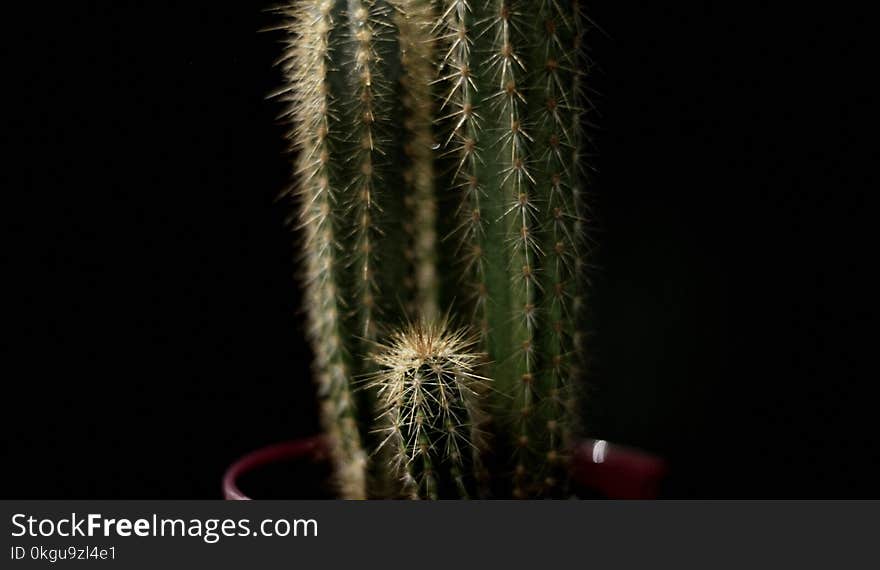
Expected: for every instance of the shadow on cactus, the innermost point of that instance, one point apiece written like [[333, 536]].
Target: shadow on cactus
[[440, 163]]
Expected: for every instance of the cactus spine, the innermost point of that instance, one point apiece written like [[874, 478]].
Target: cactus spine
[[509, 75]]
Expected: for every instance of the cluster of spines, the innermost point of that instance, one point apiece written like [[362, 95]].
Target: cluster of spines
[[430, 395]]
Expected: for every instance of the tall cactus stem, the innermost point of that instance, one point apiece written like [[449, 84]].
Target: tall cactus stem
[[309, 93], [455, 29], [507, 102], [414, 21], [374, 195], [554, 64], [364, 80]]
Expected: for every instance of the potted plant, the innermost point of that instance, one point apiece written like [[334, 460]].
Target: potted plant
[[440, 178]]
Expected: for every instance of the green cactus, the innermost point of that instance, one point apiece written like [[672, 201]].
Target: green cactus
[[430, 397], [512, 71], [370, 86]]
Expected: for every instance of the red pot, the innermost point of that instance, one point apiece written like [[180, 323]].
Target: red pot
[[610, 470]]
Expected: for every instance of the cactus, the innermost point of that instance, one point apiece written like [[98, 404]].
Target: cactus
[[511, 70], [398, 108], [430, 397]]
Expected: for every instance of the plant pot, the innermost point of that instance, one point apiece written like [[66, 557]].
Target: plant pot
[[599, 469]]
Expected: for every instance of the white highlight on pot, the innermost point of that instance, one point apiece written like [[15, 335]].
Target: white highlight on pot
[[599, 448]]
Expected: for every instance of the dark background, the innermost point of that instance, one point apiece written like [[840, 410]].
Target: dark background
[[151, 309]]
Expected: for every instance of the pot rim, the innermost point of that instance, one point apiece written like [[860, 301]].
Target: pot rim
[[285, 450]]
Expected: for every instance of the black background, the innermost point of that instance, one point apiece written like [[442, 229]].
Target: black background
[[151, 312]]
